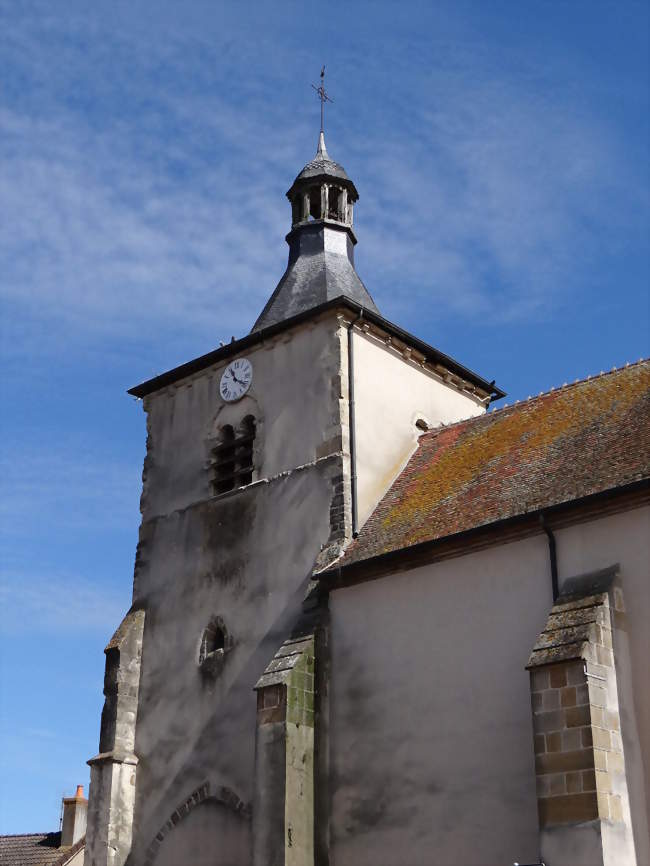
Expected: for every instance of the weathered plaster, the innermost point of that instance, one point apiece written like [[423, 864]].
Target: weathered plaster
[[245, 557], [289, 397]]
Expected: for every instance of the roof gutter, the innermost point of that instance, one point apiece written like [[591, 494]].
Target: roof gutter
[[404, 558], [552, 553], [352, 425]]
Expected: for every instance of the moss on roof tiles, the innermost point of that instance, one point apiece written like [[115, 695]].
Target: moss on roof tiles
[[570, 443]]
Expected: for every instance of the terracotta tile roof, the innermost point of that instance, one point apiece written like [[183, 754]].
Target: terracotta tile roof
[[566, 444], [30, 849], [36, 849]]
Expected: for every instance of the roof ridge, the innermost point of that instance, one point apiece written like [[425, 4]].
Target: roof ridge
[[509, 407], [558, 448], [23, 835], [566, 385]]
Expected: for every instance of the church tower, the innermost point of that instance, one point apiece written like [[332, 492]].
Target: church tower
[[263, 459]]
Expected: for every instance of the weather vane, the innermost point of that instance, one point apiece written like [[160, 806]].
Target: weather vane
[[322, 95]]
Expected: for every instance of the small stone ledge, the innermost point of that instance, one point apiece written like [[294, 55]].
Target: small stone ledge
[[579, 621], [285, 691], [115, 757], [134, 619]]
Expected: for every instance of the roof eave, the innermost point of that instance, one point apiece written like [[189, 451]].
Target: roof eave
[[380, 564], [215, 356], [309, 180]]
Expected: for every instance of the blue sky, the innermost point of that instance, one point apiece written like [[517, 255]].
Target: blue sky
[[501, 154]]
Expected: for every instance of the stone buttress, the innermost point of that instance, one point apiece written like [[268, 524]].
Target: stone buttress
[[582, 795]]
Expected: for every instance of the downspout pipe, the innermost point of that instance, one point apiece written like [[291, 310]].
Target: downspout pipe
[[352, 428], [552, 552]]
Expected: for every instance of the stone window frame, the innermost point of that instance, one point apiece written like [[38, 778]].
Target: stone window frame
[[211, 658]]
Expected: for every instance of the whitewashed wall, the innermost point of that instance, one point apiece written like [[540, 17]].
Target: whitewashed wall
[[431, 731], [391, 394]]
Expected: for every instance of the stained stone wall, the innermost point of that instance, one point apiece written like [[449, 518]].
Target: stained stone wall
[[243, 558], [284, 762], [113, 771]]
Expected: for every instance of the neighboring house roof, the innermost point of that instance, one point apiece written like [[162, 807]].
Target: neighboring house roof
[[582, 439], [36, 849]]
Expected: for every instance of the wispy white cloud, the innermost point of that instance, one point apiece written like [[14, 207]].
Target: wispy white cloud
[[65, 486], [46, 603], [498, 202], [112, 255], [150, 200]]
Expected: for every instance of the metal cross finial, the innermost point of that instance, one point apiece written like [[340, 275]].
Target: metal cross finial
[[322, 95]]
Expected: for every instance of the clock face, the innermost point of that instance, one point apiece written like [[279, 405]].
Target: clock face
[[236, 380]]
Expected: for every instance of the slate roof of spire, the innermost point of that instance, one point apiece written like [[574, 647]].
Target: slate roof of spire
[[321, 165], [314, 278], [577, 441], [321, 258]]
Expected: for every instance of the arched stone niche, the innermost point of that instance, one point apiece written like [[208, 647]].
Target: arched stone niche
[[206, 830]]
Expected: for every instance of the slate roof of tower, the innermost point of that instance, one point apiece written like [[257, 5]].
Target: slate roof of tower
[[322, 164], [564, 445], [310, 281], [315, 274], [36, 849]]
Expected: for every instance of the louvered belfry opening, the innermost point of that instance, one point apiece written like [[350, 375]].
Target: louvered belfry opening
[[233, 466]]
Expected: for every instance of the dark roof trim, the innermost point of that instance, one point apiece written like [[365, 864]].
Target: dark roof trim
[[307, 180], [508, 529], [252, 339]]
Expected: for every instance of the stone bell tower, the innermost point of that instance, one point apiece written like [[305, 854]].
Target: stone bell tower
[[262, 459]]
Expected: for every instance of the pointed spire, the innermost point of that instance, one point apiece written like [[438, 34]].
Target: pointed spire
[[322, 150], [321, 240]]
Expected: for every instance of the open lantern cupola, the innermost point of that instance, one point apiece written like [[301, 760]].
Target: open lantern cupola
[[322, 191], [321, 243]]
